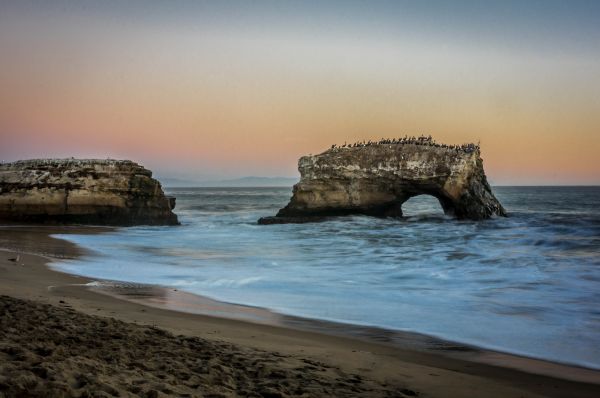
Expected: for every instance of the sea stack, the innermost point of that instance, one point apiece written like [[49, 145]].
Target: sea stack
[[377, 178], [82, 191]]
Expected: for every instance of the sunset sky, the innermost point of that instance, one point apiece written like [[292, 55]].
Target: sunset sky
[[221, 89]]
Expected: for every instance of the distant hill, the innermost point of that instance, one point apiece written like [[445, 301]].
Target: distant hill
[[175, 182], [235, 182]]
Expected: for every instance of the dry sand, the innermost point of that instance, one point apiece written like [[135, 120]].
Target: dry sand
[[59, 338], [51, 351]]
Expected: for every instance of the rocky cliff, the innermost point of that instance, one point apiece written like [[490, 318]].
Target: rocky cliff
[[91, 191], [376, 179]]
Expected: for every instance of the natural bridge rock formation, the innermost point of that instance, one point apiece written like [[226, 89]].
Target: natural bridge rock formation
[[377, 179], [99, 192]]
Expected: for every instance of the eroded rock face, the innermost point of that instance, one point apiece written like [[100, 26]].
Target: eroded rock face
[[377, 179], [90, 191]]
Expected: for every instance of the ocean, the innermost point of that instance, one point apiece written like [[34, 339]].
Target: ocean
[[528, 284]]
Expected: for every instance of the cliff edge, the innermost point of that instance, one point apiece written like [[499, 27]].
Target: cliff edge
[[377, 178], [82, 191]]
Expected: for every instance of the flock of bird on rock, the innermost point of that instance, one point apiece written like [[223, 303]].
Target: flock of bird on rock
[[420, 140]]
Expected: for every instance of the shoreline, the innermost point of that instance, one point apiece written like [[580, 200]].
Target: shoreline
[[368, 355], [172, 299], [175, 299]]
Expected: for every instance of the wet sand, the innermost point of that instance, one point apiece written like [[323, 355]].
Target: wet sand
[[57, 334]]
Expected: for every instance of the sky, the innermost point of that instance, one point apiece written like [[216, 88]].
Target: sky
[[223, 89]]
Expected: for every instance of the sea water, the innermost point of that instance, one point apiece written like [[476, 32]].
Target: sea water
[[526, 284]]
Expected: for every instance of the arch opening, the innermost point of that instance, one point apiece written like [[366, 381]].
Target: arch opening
[[425, 205]]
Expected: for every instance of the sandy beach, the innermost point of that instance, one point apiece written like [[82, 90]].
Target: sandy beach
[[58, 337]]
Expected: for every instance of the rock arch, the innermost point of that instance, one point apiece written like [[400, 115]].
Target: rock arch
[[377, 179]]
